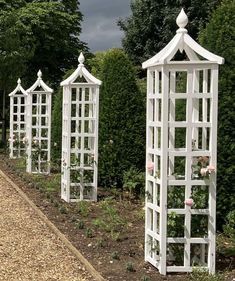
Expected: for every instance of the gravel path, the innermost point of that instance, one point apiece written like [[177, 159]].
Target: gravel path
[[29, 250]]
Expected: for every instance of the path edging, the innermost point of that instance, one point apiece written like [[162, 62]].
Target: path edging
[[56, 231]]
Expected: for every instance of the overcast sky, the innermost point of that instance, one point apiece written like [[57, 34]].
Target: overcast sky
[[99, 27]]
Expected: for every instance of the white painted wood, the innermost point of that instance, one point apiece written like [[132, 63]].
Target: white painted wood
[[213, 162], [200, 141], [179, 41], [17, 139], [38, 127], [80, 135]]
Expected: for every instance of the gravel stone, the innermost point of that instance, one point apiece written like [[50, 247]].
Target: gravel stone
[[29, 250]]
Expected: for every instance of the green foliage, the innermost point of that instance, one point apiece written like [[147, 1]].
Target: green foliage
[[110, 221], [218, 37], [122, 120], [63, 210], [200, 275], [134, 181], [225, 245], [115, 255], [96, 63], [37, 35], [229, 227], [130, 267], [43, 34], [145, 278], [56, 133], [84, 208], [89, 233], [152, 24], [175, 228]]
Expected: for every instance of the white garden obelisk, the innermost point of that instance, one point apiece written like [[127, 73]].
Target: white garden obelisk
[[80, 135], [17, 140], [182, 97], [39, 127]]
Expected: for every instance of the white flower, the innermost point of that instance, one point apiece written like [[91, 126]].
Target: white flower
[[55, 143], [111, 141], [203, 171], [25, 140]]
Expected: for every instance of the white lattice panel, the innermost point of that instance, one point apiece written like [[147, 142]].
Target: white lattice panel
[[17, 139], [182, 99], [80, 136], [39, 127]]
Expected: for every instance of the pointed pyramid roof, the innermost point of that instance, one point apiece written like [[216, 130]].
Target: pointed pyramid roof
[[40, 83], [18, 88], [81, 71], [183, 42]]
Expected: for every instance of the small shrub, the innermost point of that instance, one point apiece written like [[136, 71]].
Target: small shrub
[[145, 278], [130, 267], [134, 181], [48, 195], [229, 227], [63, 210], [110, 221], [100, 243], [115, 255], [83, 208], [200, 275], [80, 224], [56, 204], [89, 233]]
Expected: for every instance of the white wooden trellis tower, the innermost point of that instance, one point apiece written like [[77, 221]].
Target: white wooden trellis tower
[[182, 97], [39, 127], [17, 140], [80, 135]]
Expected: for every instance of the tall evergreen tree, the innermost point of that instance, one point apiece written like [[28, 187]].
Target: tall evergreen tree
[[122, 120], [152, 24], [219, 37]]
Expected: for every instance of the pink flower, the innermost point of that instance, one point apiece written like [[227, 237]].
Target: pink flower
[[189, 202], [203, 172], [210, 168], [150, 166]]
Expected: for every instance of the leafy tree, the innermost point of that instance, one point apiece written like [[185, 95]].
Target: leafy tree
[[56, 38], [152, 24], [96, 63], [122, 120], [218, 37], [38, 35]]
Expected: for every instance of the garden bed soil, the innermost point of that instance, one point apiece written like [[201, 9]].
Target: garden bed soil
[[117, 258]]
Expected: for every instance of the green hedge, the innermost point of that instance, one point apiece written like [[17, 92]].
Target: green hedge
[[218, 37], [122, 120]]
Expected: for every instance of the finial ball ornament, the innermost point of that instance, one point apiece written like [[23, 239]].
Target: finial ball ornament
[[39, 74], [182, 19], [19, 81], [81, 58]]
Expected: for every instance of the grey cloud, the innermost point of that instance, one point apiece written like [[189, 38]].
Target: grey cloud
[[99, 27]]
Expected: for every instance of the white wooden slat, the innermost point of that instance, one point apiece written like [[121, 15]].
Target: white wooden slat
[[213, 161]]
